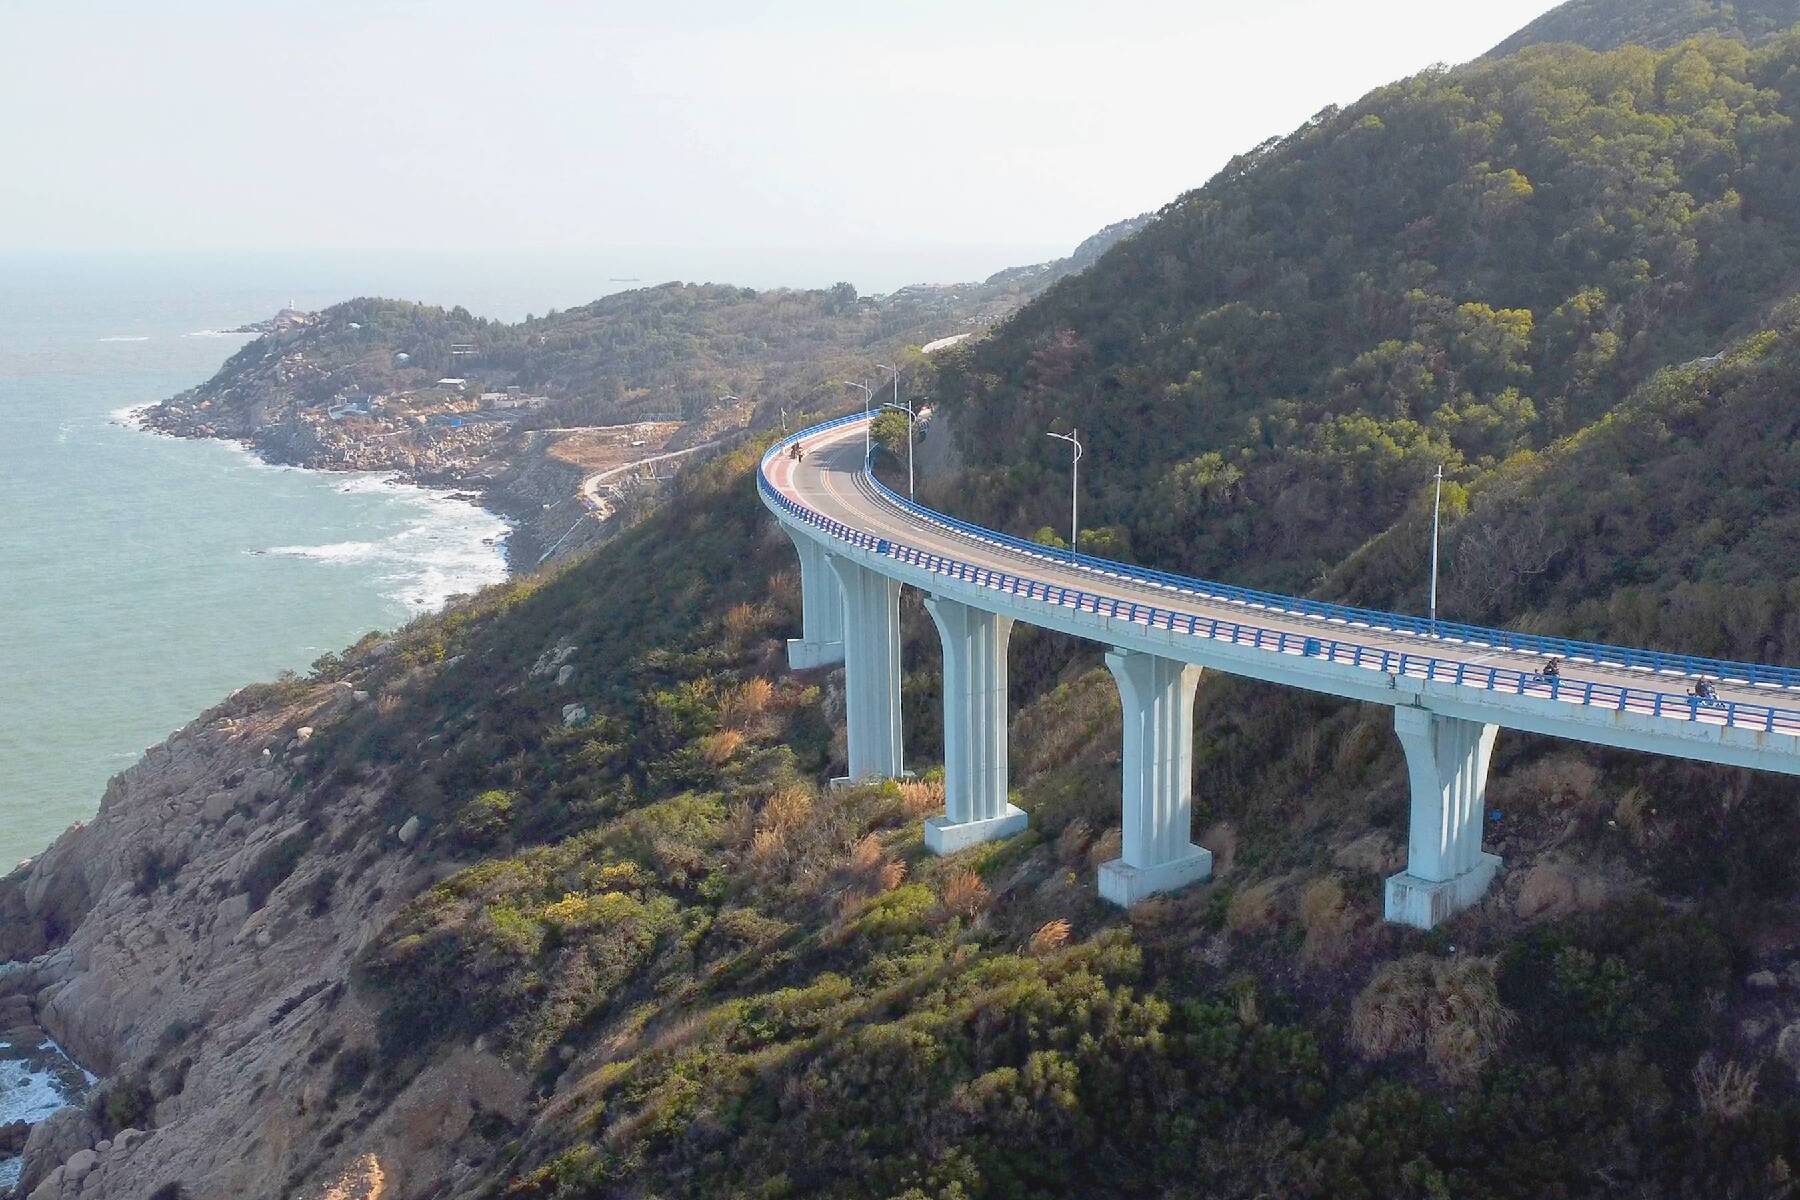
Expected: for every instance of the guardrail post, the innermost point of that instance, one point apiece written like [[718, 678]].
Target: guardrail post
[[1157, 695], [821, 640], [1447, 767], [975, 792], [871, 670]]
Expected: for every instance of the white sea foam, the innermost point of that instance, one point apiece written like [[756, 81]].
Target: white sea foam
[[451, 548], [39, 1083], [335, 552], [127, 337], [217, 333], [131, 416]]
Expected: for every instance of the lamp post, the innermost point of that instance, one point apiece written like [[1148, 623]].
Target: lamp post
[[1437, 506], [868, 397], [911, 418], [1073, 437]]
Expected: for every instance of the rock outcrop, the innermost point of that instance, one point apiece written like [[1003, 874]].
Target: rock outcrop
[[193, 944]]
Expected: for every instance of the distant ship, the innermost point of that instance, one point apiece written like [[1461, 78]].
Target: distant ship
[[624, 279]]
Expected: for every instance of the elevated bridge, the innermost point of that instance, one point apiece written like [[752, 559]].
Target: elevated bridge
[[1452, 687]]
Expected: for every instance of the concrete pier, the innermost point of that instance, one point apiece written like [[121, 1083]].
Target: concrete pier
[[975, 781], [821, 640], [1157, 695], [871, 670], [1447, 767]]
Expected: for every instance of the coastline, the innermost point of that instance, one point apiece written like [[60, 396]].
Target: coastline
[[518, 546]]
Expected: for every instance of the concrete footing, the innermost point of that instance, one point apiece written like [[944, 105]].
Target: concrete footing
[[1125, 885], [1426, 903], [944, 836]]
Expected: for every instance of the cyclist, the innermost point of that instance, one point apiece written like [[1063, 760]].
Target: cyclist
[[1704, 690]]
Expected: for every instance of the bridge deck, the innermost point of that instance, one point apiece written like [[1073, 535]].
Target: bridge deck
[[831, 485]]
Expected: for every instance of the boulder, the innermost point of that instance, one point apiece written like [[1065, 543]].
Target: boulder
[[409, 831], [218, 806], [12, 1137], [563, 675], [1557, 889], [1787, 1047], [574, 714], [79, 1164], [1763, 980], [1374, 853], [53, 1141]]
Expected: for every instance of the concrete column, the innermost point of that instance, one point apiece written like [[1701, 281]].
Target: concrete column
[[871, 669], [821, 640], [1447, 766], [975, 803], [1157, 695]]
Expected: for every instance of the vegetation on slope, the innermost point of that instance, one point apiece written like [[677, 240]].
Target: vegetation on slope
[[728, 981], [1609, 24], [674, 349], [1459, 267]]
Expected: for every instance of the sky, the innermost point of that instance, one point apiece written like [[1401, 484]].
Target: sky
[[961, 136]]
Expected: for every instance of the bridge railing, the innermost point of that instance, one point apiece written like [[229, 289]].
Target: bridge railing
[[1342, 651], [1689, 665]]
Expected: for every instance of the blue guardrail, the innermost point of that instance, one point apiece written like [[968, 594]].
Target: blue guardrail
[[1333, 617]]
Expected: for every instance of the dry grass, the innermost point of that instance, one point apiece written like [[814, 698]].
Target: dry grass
[[742, 620], [1726, 1089], [921, 797], [1328, 922], [1449, 1008], [717, 749], [891, 875], [740, 707], [768, 847], [1074, 840], [1105, 848], [965, 895], [1252, 910], [1564, 782], [1050, 937], [867, 855], [784, 592], [787, 810]]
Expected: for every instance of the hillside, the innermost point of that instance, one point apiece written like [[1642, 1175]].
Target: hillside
[[702, 353], [1609, 24], [547, 896], [1458, 268]]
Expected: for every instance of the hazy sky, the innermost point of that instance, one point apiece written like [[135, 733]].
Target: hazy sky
[[1009, 130]]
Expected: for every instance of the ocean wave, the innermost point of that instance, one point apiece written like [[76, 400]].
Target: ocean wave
[[131, 416], [450, 548], [127, 337], [373, 483], [335, 552], [38, 1081], [216, 333]]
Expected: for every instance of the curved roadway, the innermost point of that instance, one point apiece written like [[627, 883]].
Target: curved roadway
[[831, 483]]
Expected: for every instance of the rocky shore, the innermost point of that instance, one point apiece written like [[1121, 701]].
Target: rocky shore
[[190, 945]]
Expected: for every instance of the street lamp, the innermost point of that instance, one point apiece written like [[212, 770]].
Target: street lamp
[[1437, 506], [896, 371], [1073, 437], [868, 397], [911, 418]]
